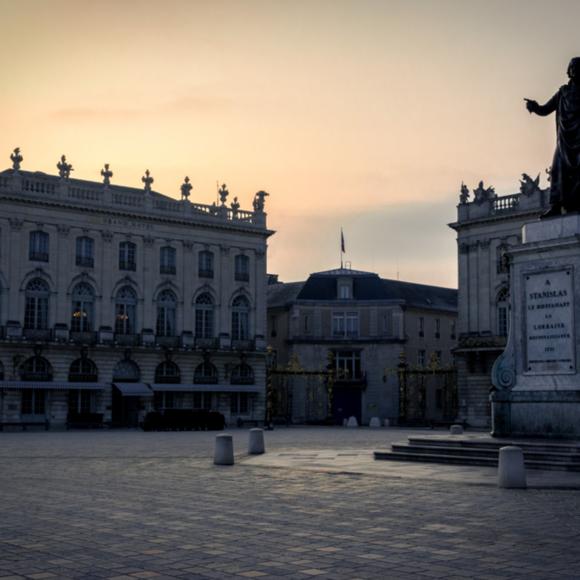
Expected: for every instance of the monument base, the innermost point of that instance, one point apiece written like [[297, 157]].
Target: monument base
[[536, 379], [545, 414]]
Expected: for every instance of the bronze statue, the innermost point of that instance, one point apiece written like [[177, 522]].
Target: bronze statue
[[565, 171]]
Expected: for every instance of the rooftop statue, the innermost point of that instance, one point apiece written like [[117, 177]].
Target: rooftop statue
[[464, 193], [16, 159], [565, 171], [147, 180], [223, 191], [235, 207], [482, 194], [529, 186], [64, 168], [259, 200], [106, 174], [186, 188]]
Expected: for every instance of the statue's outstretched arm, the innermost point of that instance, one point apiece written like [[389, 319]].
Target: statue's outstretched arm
[[543, 110]]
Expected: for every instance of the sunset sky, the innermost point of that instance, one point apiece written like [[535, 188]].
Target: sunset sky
[[362, 114]]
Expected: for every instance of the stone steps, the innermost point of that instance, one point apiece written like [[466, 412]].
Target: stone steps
[[483, 452]]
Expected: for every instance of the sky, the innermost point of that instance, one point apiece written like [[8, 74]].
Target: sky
[[360, 114]]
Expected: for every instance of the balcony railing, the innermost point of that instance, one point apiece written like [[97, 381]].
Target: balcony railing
[[38, 256], [205, 379], [242, 277], [95, 194], [126, 265], [167, 341], [84, 337], [41, 334], [127, 339], [167, 270], [85, 261], [205, 273], [206, 343]]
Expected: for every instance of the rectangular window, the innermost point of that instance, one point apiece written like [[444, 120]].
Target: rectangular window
[[421, 326], [242, 268], [167, 261], [348, 365], [127, 256], [306, 324], [202, 401], [344, 292], [85, 252], [33, 402], [205, 265], [38, 247], [437, 328], [345, 324], [421, 356], [439, 356], [388, 323], [502, 320], [80, 401], [453, 329], [239, 404]]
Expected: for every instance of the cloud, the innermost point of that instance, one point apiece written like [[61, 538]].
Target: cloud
[[180, 105]]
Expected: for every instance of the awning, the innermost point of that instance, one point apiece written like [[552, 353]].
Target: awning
[[190, 388], [52, 386], [134, 389]]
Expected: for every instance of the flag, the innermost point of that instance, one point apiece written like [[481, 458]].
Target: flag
[[342, 242]]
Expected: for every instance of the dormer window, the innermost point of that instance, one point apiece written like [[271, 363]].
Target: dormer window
[[344, 292]]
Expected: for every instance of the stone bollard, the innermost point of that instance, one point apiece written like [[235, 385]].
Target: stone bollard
[[224, 450], [352, 422], [387, 423], [511, 473], [375, 422], [456, 429], [256, 442]]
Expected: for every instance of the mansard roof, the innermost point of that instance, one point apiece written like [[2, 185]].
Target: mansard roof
[[282, 294], [366, 286]]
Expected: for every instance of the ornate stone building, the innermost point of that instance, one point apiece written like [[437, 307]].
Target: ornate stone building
[[366, 326], [486, 227], [116, 300]]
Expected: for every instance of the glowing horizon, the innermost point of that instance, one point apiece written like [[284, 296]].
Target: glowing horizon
[[366, 115]]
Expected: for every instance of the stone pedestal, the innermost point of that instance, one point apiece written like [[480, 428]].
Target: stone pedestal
[[536, 379]]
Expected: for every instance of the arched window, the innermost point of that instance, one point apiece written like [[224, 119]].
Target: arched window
[[85, 252], [83, 299], [126, 371], [83, 370], [205, 264], [125, 311], [240, 318], [243, 374], [38, 246], [502, 312], [204, 316], [167, 372], [36, 305], [36, 368], [167, 260], [242, 268], [127, 256], [166, 307], [205, 374]]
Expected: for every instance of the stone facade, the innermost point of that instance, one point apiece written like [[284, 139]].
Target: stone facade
[[104, 285], [487, 227], [363, 325]]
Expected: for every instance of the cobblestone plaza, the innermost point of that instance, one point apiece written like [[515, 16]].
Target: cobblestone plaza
[[127, 504]]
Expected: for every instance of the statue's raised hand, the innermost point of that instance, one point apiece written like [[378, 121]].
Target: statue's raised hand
[[531, 105]]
